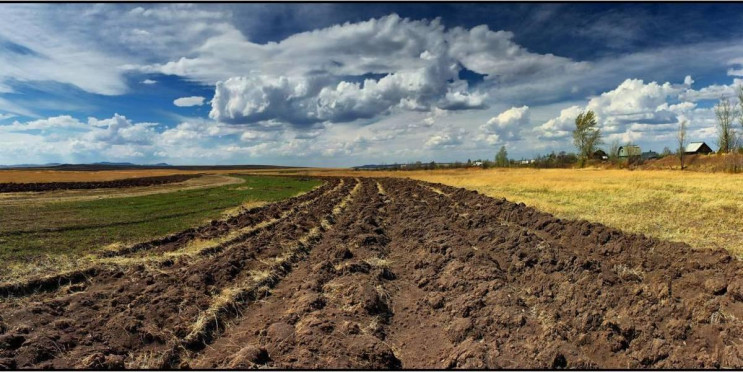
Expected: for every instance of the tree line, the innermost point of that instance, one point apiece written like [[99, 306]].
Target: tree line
[[587, 136], [587, 139]]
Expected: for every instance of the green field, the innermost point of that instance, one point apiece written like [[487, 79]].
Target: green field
[[30, 232]]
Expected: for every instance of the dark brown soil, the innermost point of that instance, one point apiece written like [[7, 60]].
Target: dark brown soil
[[115, 184], [390, 273]]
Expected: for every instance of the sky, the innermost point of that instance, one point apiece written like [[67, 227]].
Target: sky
[[352, 84]]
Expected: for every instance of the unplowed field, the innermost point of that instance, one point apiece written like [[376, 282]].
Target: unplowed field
[[384, 273]]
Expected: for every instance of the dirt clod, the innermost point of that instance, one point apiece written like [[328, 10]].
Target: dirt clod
[[248, 357], [735, 288], [280, 332], [715, 286]]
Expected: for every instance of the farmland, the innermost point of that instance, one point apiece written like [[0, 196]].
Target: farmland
[[38, 235], [700, 209], [366, 272], [381, 186]]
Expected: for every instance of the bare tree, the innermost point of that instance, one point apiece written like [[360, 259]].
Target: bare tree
[[725, 114], [740, 108], [614, 152], [586, 136], [633, 154], [632, 150], [681, 136]]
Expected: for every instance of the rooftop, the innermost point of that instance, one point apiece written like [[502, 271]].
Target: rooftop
[[693, 146]]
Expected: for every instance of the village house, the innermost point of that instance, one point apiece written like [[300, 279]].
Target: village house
[[650, 155], [600, 155], [628, 151], [697, 148]]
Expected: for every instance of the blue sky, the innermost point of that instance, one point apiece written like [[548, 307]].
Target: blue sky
[[348, 84]]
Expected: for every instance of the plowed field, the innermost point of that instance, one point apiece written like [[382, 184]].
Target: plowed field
[[384, 273], [122, 183]]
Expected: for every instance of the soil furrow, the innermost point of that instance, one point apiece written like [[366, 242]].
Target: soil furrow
[[130, 318], [219, 228], [391, 273], [185, 245], [256, 285], [330, 312], [547, 301]]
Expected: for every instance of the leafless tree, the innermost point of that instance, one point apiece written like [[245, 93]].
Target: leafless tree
[[633, 154], [725, 114], [740, 108], [681, 136], [614, 152]]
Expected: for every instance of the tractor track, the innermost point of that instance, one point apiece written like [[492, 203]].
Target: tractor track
[[387, 273]]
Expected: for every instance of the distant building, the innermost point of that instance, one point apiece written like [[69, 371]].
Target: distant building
[[650, 155], [697, 148], [631, 150], [477, 164], [527, 161], [600, 155]]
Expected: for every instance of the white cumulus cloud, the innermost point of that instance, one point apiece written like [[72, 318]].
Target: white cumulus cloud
[[636, 110], [189, 101], [713, 92], [506, 126], [560, 126], [448, 139], [324, 75]]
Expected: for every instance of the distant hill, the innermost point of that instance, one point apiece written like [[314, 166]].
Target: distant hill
[[126, 165], [61, 165], [117, 164], [377, 166], [29, 165]]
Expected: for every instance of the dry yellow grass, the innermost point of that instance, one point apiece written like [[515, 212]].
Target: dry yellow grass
[[701, 209]]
